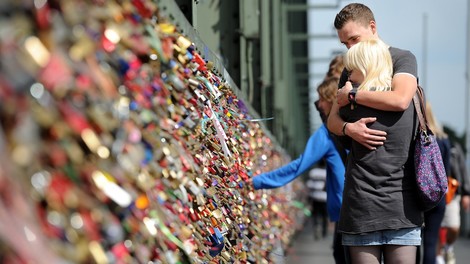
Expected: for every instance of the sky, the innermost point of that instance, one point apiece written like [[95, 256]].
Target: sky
[[442, 59]]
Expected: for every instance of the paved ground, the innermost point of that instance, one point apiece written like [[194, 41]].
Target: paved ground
[[305, 249]]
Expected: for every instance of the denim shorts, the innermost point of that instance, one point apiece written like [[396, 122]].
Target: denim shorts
[[402, 237]]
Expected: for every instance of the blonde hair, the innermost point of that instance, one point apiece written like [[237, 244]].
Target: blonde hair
[[372, 58], [434, 125]]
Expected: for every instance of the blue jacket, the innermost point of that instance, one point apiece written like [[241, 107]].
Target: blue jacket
[[320, 145]]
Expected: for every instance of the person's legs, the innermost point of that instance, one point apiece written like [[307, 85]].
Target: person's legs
[[324, 215], [317, 218], [451, 223], [452, 235], [396, 245], [362, 248], [419, 249], [394, 254], [365, 254], [339, 252], [432, 224], [401, 246]]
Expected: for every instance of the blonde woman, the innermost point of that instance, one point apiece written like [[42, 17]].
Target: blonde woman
[[380, 215], [370, 65]]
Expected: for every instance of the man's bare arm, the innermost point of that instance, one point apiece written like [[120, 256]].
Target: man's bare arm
[[358, 131], [404, 87]]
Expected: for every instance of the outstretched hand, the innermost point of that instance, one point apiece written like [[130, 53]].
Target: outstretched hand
[[370, 138], [249, 184]]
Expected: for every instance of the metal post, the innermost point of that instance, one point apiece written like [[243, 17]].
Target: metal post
[[425, 53], [266, 60], [467, 91], [466, 216], [194, 15]]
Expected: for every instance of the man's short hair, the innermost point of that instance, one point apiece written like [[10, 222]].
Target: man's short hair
[[354, 12]]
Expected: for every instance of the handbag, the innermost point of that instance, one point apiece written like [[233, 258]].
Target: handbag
[[430, 173]]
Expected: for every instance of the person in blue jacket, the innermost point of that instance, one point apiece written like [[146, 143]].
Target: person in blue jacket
[[321, 145]]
